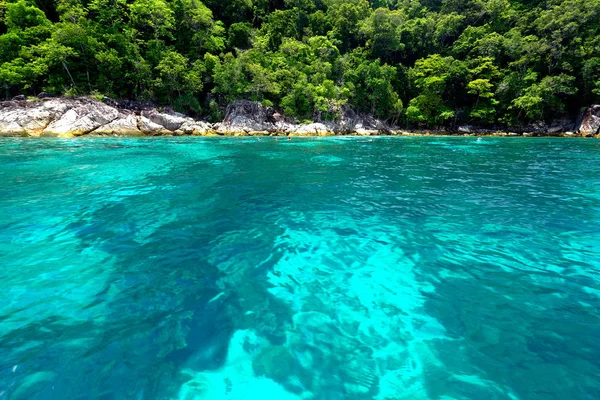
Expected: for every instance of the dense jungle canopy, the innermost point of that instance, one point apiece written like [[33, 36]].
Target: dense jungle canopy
[[424, 63]]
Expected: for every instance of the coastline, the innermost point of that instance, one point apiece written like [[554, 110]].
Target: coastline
[[88, 117]]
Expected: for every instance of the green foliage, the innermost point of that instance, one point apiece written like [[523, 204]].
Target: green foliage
[[423, 62], [22, 15]]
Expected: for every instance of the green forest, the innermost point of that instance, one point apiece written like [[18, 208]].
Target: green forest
[[427, 63]]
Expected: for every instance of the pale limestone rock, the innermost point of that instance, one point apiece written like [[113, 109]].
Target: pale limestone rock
[[57, 106], [11, 128], [27, 121], [167, 121], [365, 132], [284, 127], [313, 129], [191, 127], [150, 128], [126, 125], [81, 120], [242, 123]]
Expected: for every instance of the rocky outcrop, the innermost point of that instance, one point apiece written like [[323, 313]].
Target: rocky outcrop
[[126, 124], [245, 117], [81, 119], [63, 117], [66, 117], [590, 121]]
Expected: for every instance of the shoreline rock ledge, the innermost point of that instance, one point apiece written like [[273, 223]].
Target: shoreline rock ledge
[[65, 117], [72, 117]]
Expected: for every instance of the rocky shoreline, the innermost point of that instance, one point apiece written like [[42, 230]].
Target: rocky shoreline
[[68, 117]]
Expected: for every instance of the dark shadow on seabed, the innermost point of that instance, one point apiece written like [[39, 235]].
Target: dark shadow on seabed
[[154, 313]]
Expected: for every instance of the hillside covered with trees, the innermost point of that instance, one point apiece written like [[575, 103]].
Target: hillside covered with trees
[[424, 63]]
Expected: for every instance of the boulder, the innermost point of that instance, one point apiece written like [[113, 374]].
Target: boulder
[[314, 129], [58, 106], [125, 125], [87, 116], [242, 123], [284, 127], [11, 128], [25, 121], [170, 122], [192, 127], [590, 121], [147, 127]]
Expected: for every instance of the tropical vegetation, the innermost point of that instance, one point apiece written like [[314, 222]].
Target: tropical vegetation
[[419, 62]]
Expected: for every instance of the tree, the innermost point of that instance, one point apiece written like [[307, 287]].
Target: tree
[[152, 16]]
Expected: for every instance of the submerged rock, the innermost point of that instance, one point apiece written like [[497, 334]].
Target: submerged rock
[[209, 331], [275, 362]]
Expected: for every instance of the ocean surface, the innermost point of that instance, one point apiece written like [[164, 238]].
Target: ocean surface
[[322, 268]]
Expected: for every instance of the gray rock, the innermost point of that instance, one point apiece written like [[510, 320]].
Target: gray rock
[[242, 123], [85, 118], [167, 121], [191, 127], [125, 125], [151, 128], [590, 121], [63, 117], [25, 121]]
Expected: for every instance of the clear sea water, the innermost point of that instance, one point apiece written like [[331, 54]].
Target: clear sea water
[[322, 268]]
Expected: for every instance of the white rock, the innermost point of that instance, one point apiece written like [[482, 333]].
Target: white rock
[[11, 128], [311, 129]]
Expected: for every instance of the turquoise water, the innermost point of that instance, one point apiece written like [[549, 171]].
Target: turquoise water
[[334, 268]]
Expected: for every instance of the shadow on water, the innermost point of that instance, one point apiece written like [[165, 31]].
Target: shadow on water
[[164, 306]]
